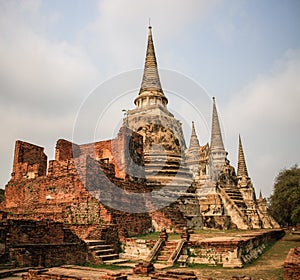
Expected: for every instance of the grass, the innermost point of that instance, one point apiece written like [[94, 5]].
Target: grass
[[229, 232], [155, 236]]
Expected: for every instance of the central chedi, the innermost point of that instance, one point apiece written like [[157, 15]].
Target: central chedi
[[198, 181], [163, 140]]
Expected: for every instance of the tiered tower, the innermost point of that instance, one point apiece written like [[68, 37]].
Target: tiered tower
[[217, 152], [244, 181], [193, 153], [211, 194], [164, 144], [166, 172]]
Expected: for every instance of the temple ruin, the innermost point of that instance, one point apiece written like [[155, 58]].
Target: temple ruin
[[191, 187]]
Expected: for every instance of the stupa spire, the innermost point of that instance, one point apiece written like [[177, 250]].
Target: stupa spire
[[151, 86], [242, 168], [194, 142], [216, 141], [151, 79]]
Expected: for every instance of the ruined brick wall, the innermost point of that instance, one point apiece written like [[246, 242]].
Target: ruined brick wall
[[131, 224], [48, 255], [42, 243], [66, 150], [62, 185], [128, 150], [109, 233], [29, 161], [170, 218], [73, 187], [292, 264], [125, 152], [37, 232]]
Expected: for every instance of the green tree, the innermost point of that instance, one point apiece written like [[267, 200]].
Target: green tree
[[1, 195], [284, 203]]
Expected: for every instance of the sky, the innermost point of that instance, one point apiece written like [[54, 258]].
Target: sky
[[55, 53]]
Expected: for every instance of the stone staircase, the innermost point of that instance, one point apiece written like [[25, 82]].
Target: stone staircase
[[100, 252], [166, 169], [235, 206], [235, 195], [167, 251]]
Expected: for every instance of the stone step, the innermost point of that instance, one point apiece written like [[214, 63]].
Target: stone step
[[162, 258], [165, 253], [100, 247], [169, 248], [116, 261], [10, 272], [169, 174], [103, 252], [172, 182], [163, 165], [235, 197], [108, 257], [94, 242]]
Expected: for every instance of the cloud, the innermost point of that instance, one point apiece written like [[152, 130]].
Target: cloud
[[42, 81], [36, 73], [266, 113], [116, 35]]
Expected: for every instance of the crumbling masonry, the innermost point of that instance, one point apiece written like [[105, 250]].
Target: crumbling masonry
[[148, 156]]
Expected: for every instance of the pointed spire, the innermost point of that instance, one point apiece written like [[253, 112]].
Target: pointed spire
[[194, 142], [151, 79], [151, 82], [216, 141], [242, 168], [260, 195]]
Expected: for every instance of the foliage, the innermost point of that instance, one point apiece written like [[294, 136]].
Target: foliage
[[284, 203], [1, 195]]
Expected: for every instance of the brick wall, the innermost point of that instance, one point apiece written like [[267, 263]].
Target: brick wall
[[77, 180], [66, 150], [29, 161], [42, 243], [292, 264]]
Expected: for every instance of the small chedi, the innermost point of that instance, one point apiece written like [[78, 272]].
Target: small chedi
[[190, 187]]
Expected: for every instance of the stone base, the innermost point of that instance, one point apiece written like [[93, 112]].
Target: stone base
[[233, 251]]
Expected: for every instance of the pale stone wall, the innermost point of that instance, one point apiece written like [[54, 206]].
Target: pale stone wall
[[231, 251], [136, 249]]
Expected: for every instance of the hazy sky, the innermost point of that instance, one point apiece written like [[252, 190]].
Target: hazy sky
[[245, 53]]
